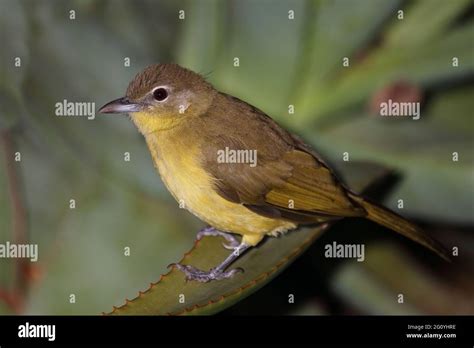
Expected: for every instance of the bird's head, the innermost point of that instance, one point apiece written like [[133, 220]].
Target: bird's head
[[162, 96]]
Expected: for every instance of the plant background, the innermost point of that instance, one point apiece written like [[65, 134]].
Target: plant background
[[124, 204]]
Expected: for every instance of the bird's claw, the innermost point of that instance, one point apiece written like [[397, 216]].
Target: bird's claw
[[208, 231], [231, 244], [192, 273]]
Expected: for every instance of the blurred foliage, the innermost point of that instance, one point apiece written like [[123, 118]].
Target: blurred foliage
[[123, 204]]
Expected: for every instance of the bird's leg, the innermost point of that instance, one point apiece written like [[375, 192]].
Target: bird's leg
[[211, 231], [216, 273]]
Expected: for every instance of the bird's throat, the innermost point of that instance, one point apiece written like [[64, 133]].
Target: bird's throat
[[148, 123]]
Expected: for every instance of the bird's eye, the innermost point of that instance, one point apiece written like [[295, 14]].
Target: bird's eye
[[160, 94]]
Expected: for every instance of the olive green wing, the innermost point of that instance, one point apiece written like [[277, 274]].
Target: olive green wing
[[286, 181]]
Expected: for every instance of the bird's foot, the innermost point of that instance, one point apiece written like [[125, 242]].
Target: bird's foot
[[192, 273], [232, 244], [216, 273]]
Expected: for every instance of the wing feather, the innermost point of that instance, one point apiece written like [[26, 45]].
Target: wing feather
[[289, 180]]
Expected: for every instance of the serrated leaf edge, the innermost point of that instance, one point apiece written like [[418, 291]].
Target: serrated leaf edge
[[297, 251]]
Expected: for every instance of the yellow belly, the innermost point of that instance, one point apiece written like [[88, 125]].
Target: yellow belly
[[193, 189]]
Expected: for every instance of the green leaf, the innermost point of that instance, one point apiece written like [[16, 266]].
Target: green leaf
[[261, 264], [6, 223], [426, 64], [375, 290], [422, 150], [361, 289], [338, 29], [217, 32], [13, 35], [202, 35], [417, 27]]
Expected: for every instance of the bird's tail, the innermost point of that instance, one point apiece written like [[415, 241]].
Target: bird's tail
[[395, 222]]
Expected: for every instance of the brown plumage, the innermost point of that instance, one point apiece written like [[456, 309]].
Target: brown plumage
[[288, 170], [289, 186]]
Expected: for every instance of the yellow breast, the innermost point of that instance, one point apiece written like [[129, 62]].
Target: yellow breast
[[180, 169]]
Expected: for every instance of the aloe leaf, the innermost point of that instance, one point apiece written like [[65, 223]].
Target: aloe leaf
[[425, 66], [6, 223], [13, 33], [337, 29], [422, 150], [217, 32], [417, 27], [173, 295], [202, 35], [375, 290], [364, 291]]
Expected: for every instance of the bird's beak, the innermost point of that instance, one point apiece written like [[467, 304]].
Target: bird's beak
[[121, 105]]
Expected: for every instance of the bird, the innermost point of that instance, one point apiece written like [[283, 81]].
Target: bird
[[189, 126]]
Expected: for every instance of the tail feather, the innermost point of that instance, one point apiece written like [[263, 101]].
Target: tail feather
[[398, 224]]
